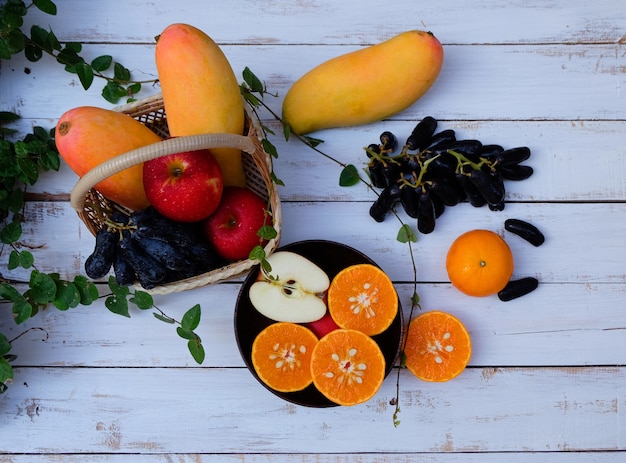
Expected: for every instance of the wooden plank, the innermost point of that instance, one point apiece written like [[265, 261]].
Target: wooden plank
[[557, 325], [328, 22], [527, 79], [495, 457], [224, 411], [61, 243], [559, 150]]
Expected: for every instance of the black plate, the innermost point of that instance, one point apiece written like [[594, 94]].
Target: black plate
[[331, 257]]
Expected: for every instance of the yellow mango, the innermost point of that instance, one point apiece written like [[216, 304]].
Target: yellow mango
[[200, 92], [87, 136], [366, 85]]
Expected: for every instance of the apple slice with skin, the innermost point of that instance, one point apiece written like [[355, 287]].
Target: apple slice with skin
[[292, 291]]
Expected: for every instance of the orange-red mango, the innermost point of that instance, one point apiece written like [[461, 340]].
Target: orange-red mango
[[200, 92], [87, 136], [366, 85]]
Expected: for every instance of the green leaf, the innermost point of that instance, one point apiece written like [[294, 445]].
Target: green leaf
[[186, 334], [102, 63], [252, 80], [6, 372], [67, 296], [120, 73], [286, 131], [121, 291], [257, 253], [197, 350], [47, 6], [42, 287], [14, 42], [269, 148], [32, 52], [11, 232], [85, 74], [22, 259], [113, 91], [6, 117], [5, 345], [312, 142], [142, 300], [164, 318], [415, 299], [29, 170], [349, 176], [22, 310], [406, 234], [191, 319], [9, 292], [267, 232], [87, 289], [117, 305]]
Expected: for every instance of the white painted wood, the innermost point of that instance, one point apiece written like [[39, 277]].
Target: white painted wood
[[545, 381], [154, 410]]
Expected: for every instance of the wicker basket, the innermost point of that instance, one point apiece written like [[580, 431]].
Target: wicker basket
[[93, 208]]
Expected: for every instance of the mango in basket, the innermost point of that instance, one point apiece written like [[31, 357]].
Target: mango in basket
[[200, 92], [87, 136], [366, 85]]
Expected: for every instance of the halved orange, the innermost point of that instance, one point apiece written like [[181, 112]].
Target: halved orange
[[479, 263], [438, 346], [348, 367], [362, 297], [281, 356]]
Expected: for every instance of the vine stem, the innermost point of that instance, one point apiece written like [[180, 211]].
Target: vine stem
[[414, 299]]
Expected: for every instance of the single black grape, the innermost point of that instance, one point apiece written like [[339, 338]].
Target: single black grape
[[468, 148], [149, 271], [422, 134], [388, 141], [376, 171], [124, 272], [440, 140], [99, 262], [409, 199], [426, 213], [162, 251], [516, 172], [518, 288], [525, 230], [489, 186], [385, 201], [513, 156], [473, 196], [447, 190]]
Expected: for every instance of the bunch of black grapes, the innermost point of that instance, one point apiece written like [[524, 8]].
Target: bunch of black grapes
[[151, 249], [435, 170]]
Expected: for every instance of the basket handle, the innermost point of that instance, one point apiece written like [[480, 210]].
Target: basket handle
[[153, 151]]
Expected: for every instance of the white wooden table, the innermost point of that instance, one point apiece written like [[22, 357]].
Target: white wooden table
[[546, 381]]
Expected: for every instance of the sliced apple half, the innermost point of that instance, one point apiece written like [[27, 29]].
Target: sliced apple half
[[293, 290]]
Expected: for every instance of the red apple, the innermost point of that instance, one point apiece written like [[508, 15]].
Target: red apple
[[186, 187], [323, 326], [233, 227]]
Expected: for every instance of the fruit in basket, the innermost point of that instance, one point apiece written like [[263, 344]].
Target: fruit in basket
[[292, 291], [281, 356], [99, 262], [363, 298], [366, 85], [233, 227], [87, 136], [200, 92], [438, 346], [186, 187], [479, 263], [347, 366]]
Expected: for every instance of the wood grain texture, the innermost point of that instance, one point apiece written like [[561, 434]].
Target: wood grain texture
[[546, 381]]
